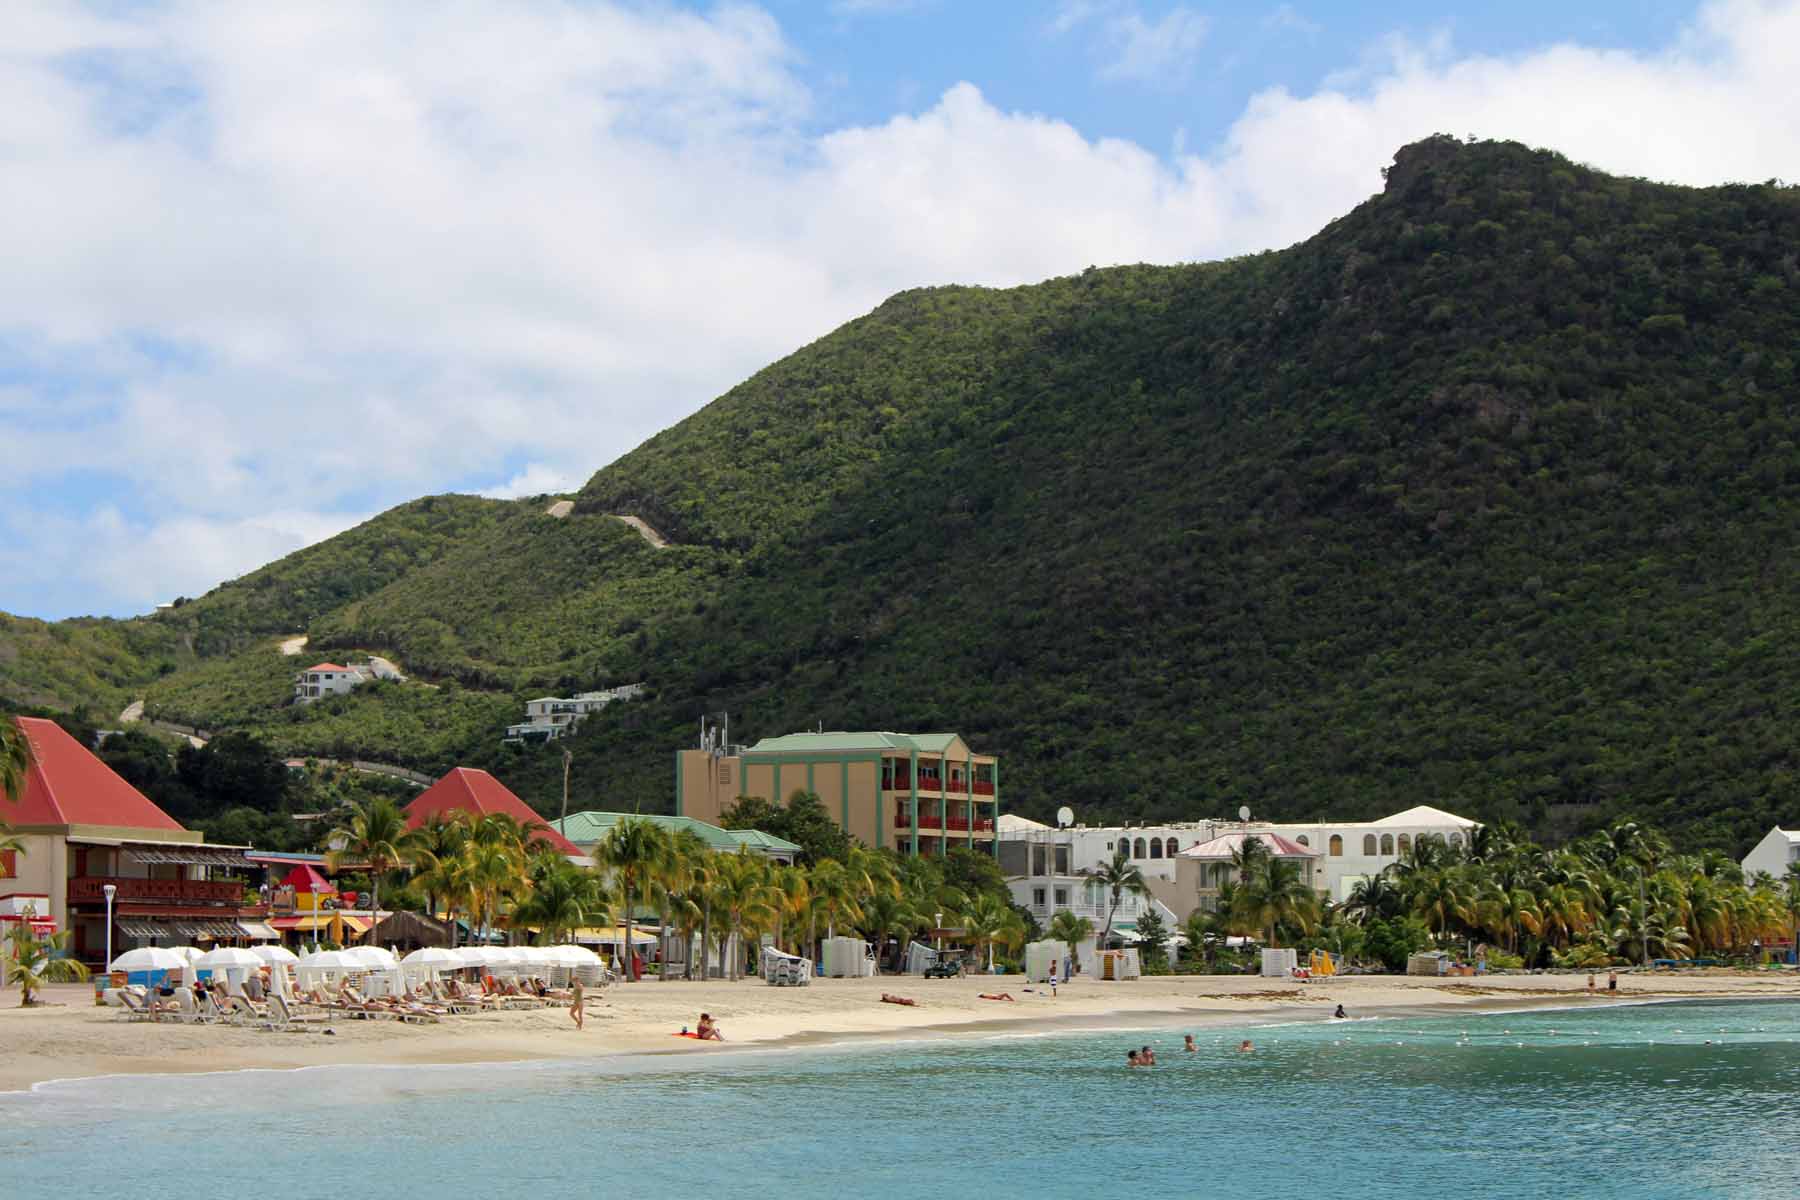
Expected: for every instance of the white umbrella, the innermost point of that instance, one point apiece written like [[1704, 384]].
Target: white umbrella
[[229, 956], [332, 960], [573, 956], [149, 958], [435, 957], [189, 953], [373, 957], [273, 954]]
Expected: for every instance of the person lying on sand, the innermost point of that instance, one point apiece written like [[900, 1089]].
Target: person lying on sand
[[887, 999], [706, 1031], [995, 996]]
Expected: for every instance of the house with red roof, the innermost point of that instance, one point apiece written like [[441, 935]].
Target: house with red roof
[[85, 829], [473, 791]]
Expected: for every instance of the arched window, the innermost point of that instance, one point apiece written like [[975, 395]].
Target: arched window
[[1155, 847], [1336, 846], [1387, 843], [1456, 839], [1405, 842], [1369, 845], [1302, 840], [1139, 851], [1171, 847]]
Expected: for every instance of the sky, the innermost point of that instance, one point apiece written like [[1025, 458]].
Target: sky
[[271, 269]]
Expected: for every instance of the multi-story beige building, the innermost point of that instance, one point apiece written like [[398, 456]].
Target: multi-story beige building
[[920, 793]]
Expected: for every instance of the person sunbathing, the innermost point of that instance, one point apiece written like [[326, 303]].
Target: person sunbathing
[[995, 996], [707, 1030], [889, 999]]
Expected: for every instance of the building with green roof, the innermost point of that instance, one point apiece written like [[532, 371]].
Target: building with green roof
[[921, 793], [586, 829]]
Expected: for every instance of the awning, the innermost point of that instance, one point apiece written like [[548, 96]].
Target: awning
[[185, 856], [258, 931], [614, 933], [321, 920], [358, 924], [147, 929]]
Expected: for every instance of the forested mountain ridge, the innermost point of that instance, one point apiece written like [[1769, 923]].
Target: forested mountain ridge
[[1484, 496]]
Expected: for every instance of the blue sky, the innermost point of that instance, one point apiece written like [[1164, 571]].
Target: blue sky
[[272, 269]]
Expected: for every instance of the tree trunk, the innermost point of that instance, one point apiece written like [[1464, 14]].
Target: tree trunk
[[705, 940], [625, 953]]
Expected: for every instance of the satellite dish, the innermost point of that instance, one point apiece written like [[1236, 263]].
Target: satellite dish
[[1065, 817], [1243, 812]]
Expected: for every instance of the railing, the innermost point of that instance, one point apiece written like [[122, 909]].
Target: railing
[[984, 787], [87, 888]]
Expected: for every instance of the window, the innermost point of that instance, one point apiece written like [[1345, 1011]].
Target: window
[[1369, 845], [1170, 847], [1456, 839], [1109, 846], [1040, 861], [1138, 851], [9, 864], [1062, 897], [1155, 847], [1302, 839], [1037, 897], [1335, 847], [1405, 842], [1387, 843]]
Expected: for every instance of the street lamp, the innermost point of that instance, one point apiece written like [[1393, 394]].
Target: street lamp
[[111, 890]]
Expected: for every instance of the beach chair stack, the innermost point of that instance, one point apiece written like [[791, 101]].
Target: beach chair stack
[[785, 970]]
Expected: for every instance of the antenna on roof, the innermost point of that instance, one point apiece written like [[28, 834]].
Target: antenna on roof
[[1244, 813], [1065, 817]]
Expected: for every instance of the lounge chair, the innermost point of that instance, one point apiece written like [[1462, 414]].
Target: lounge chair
[[243, 1012], [360, 1005], [188, 1011], [285, 1020], [132, 1008]]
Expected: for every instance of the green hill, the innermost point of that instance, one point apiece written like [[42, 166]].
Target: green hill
[[1485, 496]]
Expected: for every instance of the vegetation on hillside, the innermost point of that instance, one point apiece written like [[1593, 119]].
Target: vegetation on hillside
[[1486, 495]]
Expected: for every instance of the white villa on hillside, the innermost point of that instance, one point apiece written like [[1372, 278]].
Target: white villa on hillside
[[551, 717], [1035, 856], [1778, 848], [330, 679]]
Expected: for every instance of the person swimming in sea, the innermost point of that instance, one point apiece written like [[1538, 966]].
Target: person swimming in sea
[[1246, 1046], [1131, 1059], [1188, 1043], [1147, 1057], [1340, 1014]]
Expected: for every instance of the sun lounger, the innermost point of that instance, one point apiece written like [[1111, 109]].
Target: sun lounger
[[285, 1020], [243, 1012], [133, 1008]]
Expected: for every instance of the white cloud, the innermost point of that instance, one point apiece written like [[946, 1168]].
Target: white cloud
[[1132, 47], [266, 263], [537, 479]]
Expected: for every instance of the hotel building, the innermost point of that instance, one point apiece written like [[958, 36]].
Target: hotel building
[[920, 793]]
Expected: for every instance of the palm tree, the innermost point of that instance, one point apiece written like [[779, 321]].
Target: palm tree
[[32, 962], [671, 886], [15, 759], [1373, 897], [883, 915], [742, 893], [1071, 931], [1119, 876], [1273, 895], [492, 867], [835, 891], [635, 851], [377, 836], [563, 898], [437, 847], [990, 921]]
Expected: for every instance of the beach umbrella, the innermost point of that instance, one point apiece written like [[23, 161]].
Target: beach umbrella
[[373, 957], [331, 960], [572, 956], [188, 953], [273, 955], [229, 956], [435, 957], [149, 958]]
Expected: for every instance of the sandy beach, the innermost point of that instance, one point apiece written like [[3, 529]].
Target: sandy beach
[[71, 1038]]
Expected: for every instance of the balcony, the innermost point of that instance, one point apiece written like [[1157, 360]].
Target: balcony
[[952, 824], [88, 889], [984, 787]]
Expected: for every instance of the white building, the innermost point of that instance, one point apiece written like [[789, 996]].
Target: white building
[[551, 717], [1033, 854], [1773, 854], [330, 679]]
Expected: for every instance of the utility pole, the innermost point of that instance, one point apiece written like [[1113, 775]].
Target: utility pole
[[567, 757]]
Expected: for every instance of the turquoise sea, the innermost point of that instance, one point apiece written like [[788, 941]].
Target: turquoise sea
[[1666, 1100]]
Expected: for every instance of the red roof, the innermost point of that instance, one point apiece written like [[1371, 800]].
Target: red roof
[[304, 878], [325, 667], [466, 789], [1225, 845], [67, 785]]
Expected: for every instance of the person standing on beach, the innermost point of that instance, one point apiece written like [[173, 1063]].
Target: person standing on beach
[[1612, 981], [577, 1003], [1590, 983]]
